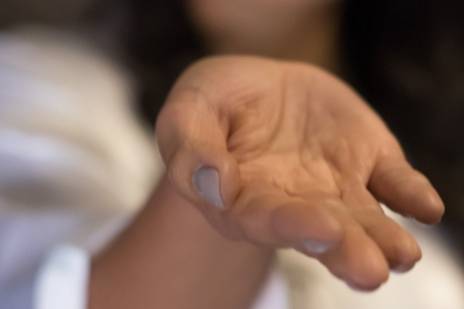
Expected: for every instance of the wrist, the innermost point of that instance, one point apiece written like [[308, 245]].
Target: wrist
[[169, 243]]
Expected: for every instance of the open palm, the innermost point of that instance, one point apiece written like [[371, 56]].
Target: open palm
[[292, 157]]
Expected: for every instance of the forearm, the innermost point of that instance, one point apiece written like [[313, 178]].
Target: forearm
[[170, 258]]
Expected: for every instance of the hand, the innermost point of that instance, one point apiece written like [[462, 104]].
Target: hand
[[286, 155]]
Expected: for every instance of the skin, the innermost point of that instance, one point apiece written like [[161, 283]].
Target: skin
[[301, 158], [303, 30], [170, 258]]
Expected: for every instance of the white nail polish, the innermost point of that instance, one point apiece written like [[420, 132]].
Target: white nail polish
[[355, 287], [206, 181], [359, 288], [400, 269], [315, 246]]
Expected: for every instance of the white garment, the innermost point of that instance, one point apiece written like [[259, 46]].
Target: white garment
[[74, 163], [62, 281]]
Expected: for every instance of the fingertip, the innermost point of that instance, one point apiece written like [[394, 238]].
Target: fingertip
[[333, 236], [434, 208], [205, 176], [207, 184], [406, 255], [359, 261], [367, 276], [374, 274], [399, 247], [315, 247], [407, 191], [363, 288]]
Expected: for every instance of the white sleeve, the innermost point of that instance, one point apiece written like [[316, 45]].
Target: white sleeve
[[274, 294], [62, 280]]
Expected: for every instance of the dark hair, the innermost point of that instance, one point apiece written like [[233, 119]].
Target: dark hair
[[405, 57], [162, 43]]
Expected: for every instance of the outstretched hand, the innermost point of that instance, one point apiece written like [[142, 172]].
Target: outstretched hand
[[286, 155]]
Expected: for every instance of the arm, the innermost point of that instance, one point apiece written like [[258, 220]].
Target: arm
[[170, 258]]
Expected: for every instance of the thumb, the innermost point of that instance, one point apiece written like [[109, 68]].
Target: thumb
[[193, 143]]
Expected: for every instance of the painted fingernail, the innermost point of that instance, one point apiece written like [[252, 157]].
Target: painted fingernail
[[315, 246], [206, 181], [400, 269], [364, 289]]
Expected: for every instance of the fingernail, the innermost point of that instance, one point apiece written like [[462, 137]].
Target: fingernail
[[355, 287], [400, 269], [364, 289], [315, 246], [206, 181]]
